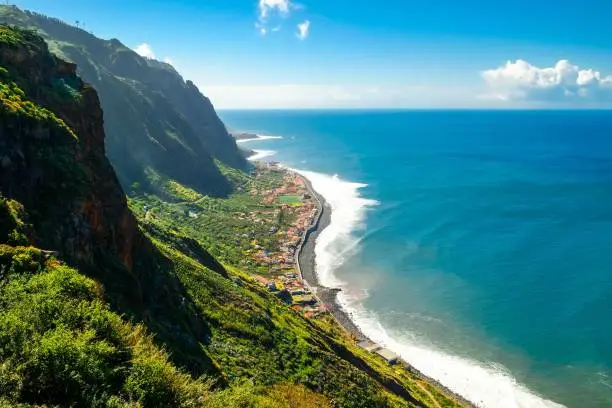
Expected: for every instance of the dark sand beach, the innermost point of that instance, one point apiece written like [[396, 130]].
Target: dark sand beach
[[306, 259]]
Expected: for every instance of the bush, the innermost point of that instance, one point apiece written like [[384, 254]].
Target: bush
[[60, 344], [19, 260], [13, 228], [64, 88], [150, 382], [246, 395]]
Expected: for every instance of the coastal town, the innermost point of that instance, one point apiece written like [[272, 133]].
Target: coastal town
[[264, 229], [298, 203], [297, 198]]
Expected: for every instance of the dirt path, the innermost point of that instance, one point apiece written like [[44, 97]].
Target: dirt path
[[431, 397]]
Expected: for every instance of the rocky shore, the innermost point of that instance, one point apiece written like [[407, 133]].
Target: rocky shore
[[244, 136]]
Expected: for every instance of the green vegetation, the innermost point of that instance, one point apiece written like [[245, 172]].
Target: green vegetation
[[22, 39], [229, 228], [14, 104], [60, 342], [64, 87], [13, 226], [290, 200]]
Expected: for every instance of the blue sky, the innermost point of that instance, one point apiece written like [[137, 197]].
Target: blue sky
[[368, 54]]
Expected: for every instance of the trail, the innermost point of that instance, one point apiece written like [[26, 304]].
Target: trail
[[429, 394]]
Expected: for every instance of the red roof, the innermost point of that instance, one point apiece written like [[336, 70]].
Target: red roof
[[261, 279]]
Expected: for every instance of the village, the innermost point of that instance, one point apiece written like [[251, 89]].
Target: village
[[284, 280]]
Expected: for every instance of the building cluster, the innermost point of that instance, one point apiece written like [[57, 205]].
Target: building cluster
[[299, 205], [302, 212], [289, 286], [286, 283]]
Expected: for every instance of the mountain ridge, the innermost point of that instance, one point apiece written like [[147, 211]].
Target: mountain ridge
[[157, 124]]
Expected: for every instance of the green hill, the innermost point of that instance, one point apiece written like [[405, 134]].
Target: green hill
[[157, 125], [98, 309]]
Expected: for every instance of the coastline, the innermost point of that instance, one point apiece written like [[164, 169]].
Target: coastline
[[306, 266]]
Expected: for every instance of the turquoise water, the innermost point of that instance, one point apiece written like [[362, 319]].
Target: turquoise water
[[479, 245]]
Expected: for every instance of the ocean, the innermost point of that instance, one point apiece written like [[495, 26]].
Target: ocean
[[476, 244]]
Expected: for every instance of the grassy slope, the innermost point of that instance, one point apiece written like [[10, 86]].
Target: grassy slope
[[280, 343]]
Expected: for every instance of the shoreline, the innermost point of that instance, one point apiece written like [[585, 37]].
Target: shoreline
[[306, 266]]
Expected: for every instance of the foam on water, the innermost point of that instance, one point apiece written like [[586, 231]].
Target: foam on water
[[337, 242], [260, 154], [487, 385], [259, 138]]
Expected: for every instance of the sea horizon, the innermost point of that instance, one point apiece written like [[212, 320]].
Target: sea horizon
[[464, 355], [534, 109]]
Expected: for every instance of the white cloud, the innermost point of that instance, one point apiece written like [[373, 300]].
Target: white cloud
[[564, 81], [303, 30], [268, 7], [168, 60], [144, 50], [271, 13]]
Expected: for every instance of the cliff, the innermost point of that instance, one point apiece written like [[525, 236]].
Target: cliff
[[157, 124], [59, 193], [52, 152]]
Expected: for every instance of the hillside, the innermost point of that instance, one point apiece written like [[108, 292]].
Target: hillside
[[157, 124], [100, 309]]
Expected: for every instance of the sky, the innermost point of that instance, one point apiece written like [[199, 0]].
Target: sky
[[259, 54]]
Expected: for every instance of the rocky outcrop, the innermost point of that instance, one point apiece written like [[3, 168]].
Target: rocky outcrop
[[53, 157]]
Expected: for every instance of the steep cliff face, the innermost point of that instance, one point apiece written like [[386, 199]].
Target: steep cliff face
[[59, 193], [156, 123], [52, 155]]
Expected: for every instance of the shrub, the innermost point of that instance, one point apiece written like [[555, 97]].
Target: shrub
[[150, 382], [60, 344], [13, 228], [63, 87], [13, 103]]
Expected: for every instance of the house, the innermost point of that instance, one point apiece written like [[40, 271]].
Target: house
[[305, 300], [388, 355], [368, 345], [263, 281]]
